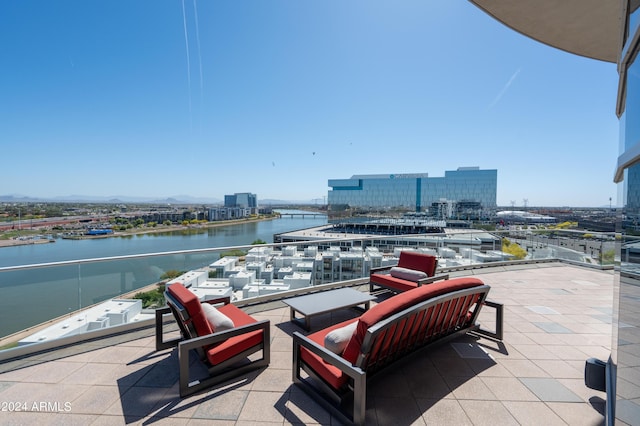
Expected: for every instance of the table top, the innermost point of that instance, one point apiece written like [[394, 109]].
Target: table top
[[326, 301]]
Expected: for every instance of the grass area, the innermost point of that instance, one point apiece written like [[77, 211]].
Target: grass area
[[9, 346], [7, 235], [152, 298]]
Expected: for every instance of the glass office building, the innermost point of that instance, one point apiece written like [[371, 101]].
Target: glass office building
[[243, 199], [607, 31], [415, 192], [624, 377]]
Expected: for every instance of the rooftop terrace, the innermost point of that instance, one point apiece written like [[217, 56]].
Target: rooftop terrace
[[556, 316]]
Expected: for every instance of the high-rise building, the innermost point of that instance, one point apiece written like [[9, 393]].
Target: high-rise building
[[607, 31], [236, 206], [415, 191], [243, 199]]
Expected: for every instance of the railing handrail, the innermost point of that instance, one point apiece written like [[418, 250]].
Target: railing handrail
[[166, 253], [351, 237]]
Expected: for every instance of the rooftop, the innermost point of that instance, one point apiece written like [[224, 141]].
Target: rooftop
[[556, 316]]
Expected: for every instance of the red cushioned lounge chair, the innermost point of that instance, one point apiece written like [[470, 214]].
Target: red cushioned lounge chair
[[224, 352], [413, 270]]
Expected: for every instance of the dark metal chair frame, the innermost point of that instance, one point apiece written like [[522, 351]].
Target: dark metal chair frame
[[350, 401], [190, 340]]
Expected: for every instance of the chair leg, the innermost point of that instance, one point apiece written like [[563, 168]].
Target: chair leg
[[160, 342], [498, 334], [183, 365], [359, 399]]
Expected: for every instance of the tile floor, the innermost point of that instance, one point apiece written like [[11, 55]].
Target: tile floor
[[556, 316]]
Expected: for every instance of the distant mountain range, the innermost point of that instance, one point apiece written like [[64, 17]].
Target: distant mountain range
[[116, 199]]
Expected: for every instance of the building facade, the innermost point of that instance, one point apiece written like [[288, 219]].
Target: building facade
[[243, 199], [624, 383], [228, 213], [236, 206], [416, 191], [607, 31]]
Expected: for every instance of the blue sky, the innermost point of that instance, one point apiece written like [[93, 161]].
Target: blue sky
[[205, 98]]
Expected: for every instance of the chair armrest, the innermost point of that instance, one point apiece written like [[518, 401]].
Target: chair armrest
[[357, 375], [209, 339], [326, 355], [432, 279], [224, 300], [380, 269]]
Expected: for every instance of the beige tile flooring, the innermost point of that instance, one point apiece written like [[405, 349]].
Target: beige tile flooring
[[556, 316]]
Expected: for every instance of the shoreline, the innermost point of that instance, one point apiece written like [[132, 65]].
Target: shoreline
[[28, 242], [157, 230]]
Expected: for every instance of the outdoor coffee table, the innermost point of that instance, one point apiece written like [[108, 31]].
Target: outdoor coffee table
[[323, 302]]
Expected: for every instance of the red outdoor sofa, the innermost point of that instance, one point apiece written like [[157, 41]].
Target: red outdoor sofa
[[338, 360]]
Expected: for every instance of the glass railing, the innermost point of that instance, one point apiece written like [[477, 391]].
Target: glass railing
[[75, 297]]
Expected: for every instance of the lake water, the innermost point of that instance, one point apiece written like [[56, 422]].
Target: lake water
[[36, 295], [223, 236]]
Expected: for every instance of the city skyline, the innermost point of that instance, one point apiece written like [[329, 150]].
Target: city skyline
[[205, 98]]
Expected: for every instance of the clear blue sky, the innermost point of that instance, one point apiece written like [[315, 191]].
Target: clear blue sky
[[109, 98]]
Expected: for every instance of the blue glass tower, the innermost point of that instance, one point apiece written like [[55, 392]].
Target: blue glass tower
[[415, 191]]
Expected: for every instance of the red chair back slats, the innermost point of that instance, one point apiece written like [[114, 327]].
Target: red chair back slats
[[418, 326], [399, 303]]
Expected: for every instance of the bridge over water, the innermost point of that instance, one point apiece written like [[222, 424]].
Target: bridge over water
[[302, 215]]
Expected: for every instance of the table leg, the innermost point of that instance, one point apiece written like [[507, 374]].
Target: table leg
[[307, 322], [307, 319]]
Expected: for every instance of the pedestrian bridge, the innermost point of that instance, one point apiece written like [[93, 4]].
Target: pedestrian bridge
[[302, 215]]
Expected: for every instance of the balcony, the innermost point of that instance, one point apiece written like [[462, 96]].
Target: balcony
[[557, 314]]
